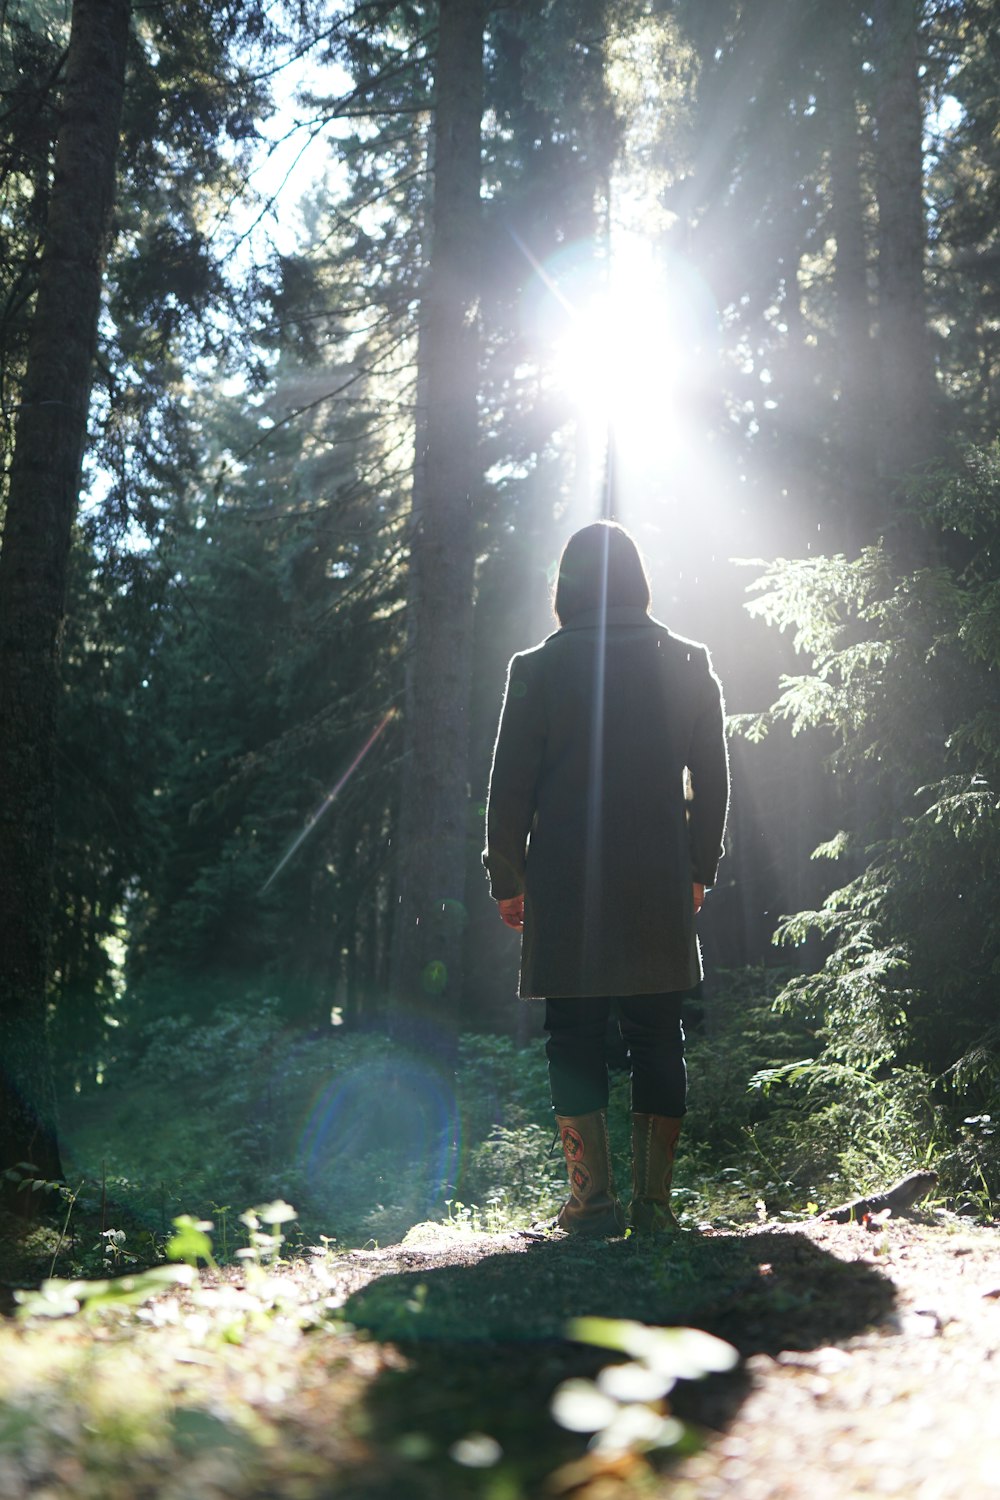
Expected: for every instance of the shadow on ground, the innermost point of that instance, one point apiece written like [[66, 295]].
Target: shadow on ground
[[484, 1344]]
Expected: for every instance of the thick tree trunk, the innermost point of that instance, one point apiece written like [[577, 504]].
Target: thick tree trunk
[[855, 351], [42, 499], [905, 369], [434, 823]]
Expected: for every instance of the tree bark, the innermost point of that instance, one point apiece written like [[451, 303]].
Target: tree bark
[[42, 499], [906, 374], [434, 822], [854, 349]]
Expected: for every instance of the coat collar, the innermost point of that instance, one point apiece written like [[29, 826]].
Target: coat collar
[[596, 619]]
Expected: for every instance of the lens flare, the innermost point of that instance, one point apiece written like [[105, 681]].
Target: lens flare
[[329, 799], [400, 1109]]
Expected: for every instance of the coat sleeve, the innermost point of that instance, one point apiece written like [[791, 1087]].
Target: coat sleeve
[[517, 761], [708, 765]]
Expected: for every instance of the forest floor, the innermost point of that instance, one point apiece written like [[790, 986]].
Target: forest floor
[[869, 1365]]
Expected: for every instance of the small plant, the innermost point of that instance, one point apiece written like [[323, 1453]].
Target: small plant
[[56, 1298], [625, 1408], [222, 1212], [24, 1173], [497, 1217], [464, 1217], [974, 1164], [265, 1244], [190, 1242], [112, 1247]]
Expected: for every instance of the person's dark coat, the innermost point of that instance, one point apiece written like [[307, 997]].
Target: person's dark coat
[[607, 801]]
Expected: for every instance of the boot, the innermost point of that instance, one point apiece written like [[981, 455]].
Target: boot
[[654, 1142], [592, 1206]]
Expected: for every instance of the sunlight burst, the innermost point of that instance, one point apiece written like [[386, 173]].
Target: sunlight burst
[[620, 352], [628, 338]]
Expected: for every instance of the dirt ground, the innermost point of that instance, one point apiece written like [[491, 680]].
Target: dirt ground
[[909, 1407], [870, 1356], [869, 1365]]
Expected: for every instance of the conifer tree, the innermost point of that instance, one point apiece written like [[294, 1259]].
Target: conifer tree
[[61, 220], [908, 414], [434, 813], [41, 502]]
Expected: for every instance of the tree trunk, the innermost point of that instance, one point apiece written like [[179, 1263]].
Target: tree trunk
[[434, 828], [906, 376], [854, 349], [44, 489]]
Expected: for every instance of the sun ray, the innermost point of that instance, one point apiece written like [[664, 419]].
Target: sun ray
[[329, 799]]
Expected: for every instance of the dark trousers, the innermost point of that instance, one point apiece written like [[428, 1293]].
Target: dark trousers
[[576, 1048]]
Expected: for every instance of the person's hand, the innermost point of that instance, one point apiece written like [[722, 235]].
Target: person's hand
[[699, 897], [511, 911]]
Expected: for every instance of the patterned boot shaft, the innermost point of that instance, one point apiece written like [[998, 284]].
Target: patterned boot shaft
[[654, 1145], [592, 1206]]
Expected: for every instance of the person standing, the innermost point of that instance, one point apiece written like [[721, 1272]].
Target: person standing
[[605, 818]]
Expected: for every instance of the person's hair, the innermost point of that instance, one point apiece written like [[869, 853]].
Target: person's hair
[[600, 567]]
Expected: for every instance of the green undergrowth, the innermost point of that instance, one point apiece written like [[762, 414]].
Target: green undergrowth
[[367, 1137]]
